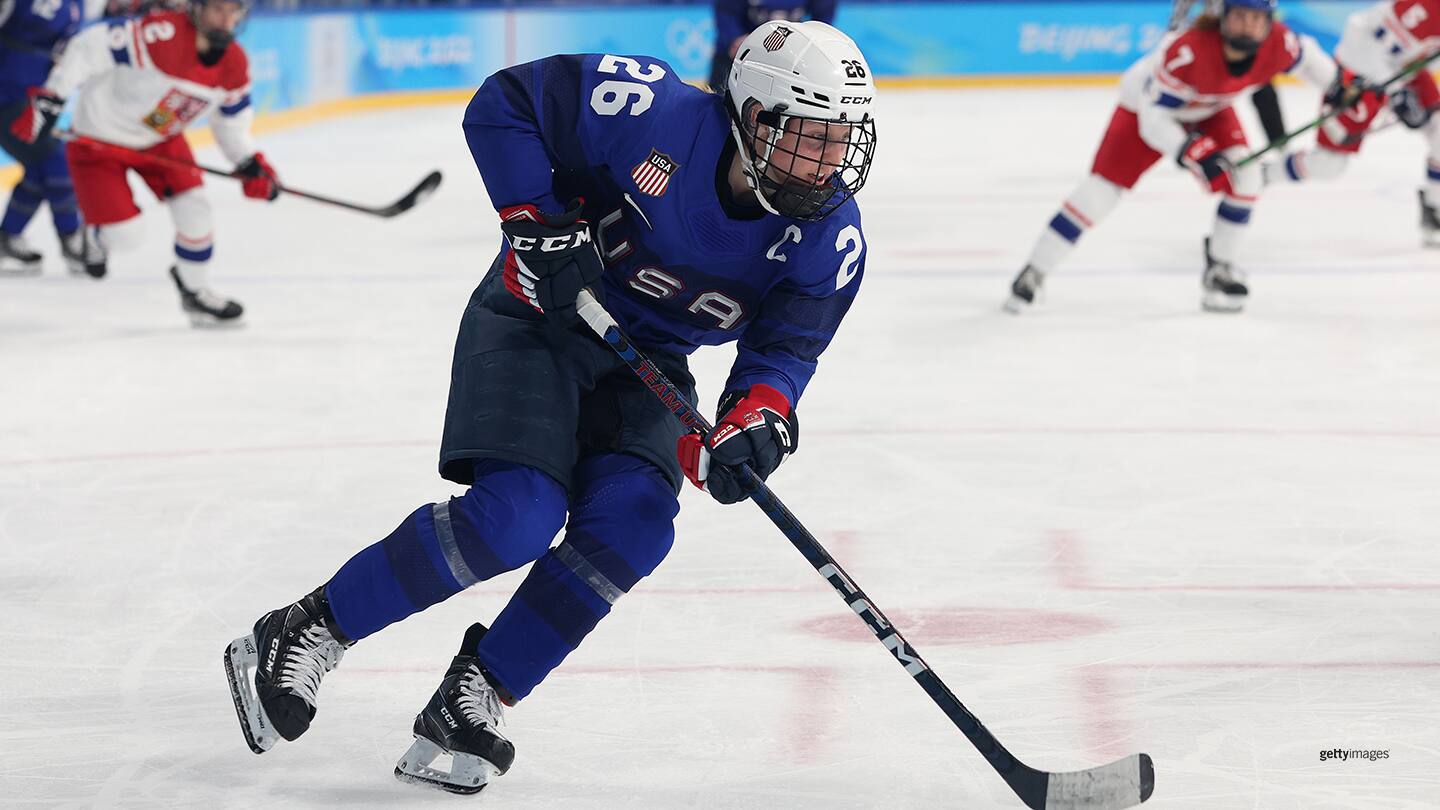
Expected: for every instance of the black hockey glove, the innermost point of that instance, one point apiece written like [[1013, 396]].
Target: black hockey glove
[[1345, 91], [552, 257], [757, 428], [1408, 107]]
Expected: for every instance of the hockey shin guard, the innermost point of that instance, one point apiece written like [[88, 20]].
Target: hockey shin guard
[[1085, 208], [506, 519], [621, 527]]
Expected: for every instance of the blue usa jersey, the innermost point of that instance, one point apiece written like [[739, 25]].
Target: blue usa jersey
[[32, 32], [644, 151]]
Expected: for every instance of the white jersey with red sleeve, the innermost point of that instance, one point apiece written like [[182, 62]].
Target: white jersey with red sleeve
[[1382, 40], [142, 82], [1186, 79]]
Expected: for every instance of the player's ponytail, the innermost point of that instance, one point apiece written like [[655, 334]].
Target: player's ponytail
[[1206, 22]]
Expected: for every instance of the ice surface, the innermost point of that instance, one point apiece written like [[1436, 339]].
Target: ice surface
[[1116, 524]]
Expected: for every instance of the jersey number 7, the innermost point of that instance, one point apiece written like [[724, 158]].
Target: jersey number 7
[[612, 95]]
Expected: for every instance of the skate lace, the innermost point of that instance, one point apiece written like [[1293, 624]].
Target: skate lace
[[315, 653], [478, 702]]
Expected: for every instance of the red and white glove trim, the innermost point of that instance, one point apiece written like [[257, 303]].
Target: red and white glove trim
[[519, 279]]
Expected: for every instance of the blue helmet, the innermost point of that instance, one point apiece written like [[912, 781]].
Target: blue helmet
[[1267, 6]]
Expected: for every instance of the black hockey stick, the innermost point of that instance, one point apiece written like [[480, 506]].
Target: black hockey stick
[[1409, 71], [1123, 783], [409, 200]]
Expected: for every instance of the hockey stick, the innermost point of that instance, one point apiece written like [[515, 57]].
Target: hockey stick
[[1409, 71], [409, 200], [1123, 783]]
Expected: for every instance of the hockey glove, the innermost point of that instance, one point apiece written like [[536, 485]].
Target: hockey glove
[[1203, 157], [1345, 91], [261, 182], [1408, 107], [38, 116], [552, 257], [757, 428]]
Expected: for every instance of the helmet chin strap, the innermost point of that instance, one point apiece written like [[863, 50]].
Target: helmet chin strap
[[748, 164]]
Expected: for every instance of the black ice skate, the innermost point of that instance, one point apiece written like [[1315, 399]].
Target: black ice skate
[[1429, 222], [1024, 290], [275, 671], [460, 722], [84, 255], [1223, 286], [16, 257], [205, 308]]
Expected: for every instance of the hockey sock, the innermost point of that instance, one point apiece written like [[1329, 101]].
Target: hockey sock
[[60, 192], [1232, 219], [1086, 207], [506, 519], [24, 201], [621, 527], [1308, 164]]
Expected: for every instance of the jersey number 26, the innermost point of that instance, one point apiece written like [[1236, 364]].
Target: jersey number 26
[[613, 95]]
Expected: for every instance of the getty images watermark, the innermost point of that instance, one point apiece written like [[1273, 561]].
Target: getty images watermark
[[1347, 754]]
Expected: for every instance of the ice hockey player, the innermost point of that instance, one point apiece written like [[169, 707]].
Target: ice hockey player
[[145, 80], [1178, 102], [32, 33], [735, 19], [1378, 43], [1265, 99], [702, 219]]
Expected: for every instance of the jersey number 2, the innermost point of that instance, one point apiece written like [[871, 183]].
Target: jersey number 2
[[612, 95]]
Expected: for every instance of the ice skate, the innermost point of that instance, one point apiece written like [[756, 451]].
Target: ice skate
[[460, 724], [84, 255], [1223, 286], [205, 308], [275, 694], [1429, 222], [1025, 290], [17, 258]]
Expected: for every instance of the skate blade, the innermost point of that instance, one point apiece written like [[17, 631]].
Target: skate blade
[[1015, 305], [1220, 302], [19, 270], [468, 773], [209, 322], [241, 661]]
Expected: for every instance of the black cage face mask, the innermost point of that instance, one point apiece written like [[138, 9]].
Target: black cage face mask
[[807, 171], [219, 39]]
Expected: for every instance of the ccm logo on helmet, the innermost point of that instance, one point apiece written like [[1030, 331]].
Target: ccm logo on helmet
[[551, 244], [856, 99]]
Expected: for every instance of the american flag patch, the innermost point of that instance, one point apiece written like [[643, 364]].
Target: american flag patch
[[652, 175], [775, 40]]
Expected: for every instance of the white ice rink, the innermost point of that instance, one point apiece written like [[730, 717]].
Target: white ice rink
[[1114, 525]]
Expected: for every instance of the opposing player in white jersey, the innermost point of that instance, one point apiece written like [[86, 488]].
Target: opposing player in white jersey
[[1178, 102], [145, 80], [1378, 43]]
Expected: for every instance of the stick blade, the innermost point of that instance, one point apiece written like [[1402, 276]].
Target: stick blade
[[1123, 783], [415, 196]]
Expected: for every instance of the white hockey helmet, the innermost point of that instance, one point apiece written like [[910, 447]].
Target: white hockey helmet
[[784, 76]]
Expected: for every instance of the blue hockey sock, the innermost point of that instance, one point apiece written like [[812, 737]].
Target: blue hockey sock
[[24, 201], [621, 526], [506, 519], [60, 192]]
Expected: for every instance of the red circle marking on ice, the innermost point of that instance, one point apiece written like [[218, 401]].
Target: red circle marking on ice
[[973, 626]]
